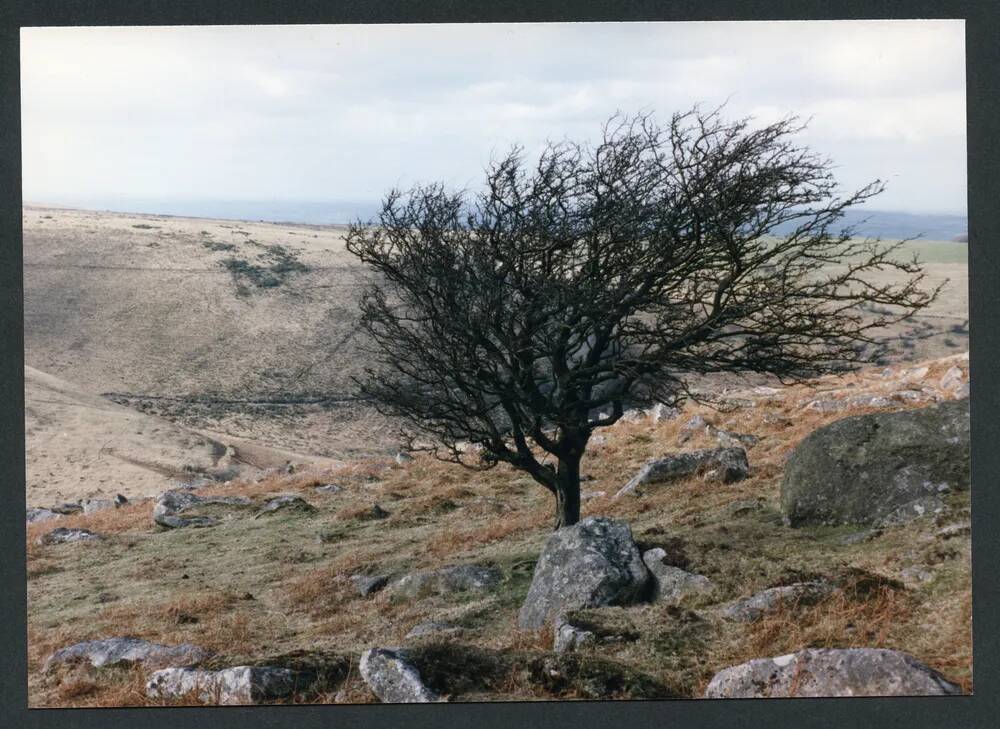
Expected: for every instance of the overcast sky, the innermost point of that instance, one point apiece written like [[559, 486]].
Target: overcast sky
[[343, 112]]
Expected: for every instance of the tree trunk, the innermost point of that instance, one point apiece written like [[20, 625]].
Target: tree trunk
[[568, 492]]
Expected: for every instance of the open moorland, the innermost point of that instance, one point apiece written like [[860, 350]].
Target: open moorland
[[242, 331], [267, 543]]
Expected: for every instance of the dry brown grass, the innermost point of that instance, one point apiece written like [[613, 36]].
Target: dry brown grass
[[441, 514]]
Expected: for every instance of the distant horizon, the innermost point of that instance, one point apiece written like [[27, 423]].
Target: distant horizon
[[883, 221]]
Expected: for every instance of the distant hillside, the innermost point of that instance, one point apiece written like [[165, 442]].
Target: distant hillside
[[888, 224]]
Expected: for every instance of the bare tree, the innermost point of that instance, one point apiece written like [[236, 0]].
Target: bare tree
[[521, 318]]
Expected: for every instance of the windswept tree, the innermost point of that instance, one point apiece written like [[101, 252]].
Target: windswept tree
[[508, 324]]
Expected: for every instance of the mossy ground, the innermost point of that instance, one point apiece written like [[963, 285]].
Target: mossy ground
[[252, 589]]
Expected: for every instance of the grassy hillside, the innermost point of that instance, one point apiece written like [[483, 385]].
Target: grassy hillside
[[248, 329], [257, 589]]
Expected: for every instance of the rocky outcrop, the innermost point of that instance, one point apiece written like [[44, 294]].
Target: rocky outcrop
[[593, 563], [446, 580], [725, 465], [671, 584], [236, 685], [119, 651], [830, 672], [62, 535], [880, 468], [753, 608], [393, 678], [177, 509]]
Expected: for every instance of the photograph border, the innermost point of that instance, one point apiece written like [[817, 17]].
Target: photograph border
[[983, 154]]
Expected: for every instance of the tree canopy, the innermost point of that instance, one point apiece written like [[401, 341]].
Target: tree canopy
[[508, 323]]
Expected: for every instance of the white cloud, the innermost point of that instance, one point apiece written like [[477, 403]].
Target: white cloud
[[343, 112]]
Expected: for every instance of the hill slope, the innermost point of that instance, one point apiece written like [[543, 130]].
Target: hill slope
[[256, 590], [81, 445]]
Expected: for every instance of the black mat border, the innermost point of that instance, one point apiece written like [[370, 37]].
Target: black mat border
[[983, 70]]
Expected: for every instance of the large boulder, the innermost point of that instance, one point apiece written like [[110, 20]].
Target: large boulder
[[126, 651], [880, 468], [717, 464], [446, 581], [176, 509], [393, 678], [593, 563], [236, 685], [830, 672]]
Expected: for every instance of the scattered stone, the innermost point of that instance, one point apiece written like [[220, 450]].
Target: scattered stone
[[729, 439], [286, 502], [766, 391], [598, 440], [753, 608], [958, 529], [661, 412], [633, 416], [695, 422], [915, 374], [871, 401], [328, 488], [728, 464], [592, 563], [736, 403], [35, 515], [569, 637], [62, 535], [952, 379], [433, 627], [123, 651], [170, 506], [671, 584], [826, 405], [230, 686], [369, 584], [916, 573], [199, 483], [913, 396], [778, 420], [403, 458], [831, 672], [446, 581], [877, 469], [588, 495], [93, 505], [392, 678], [378, 512], [120, 500], [962, 391]]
